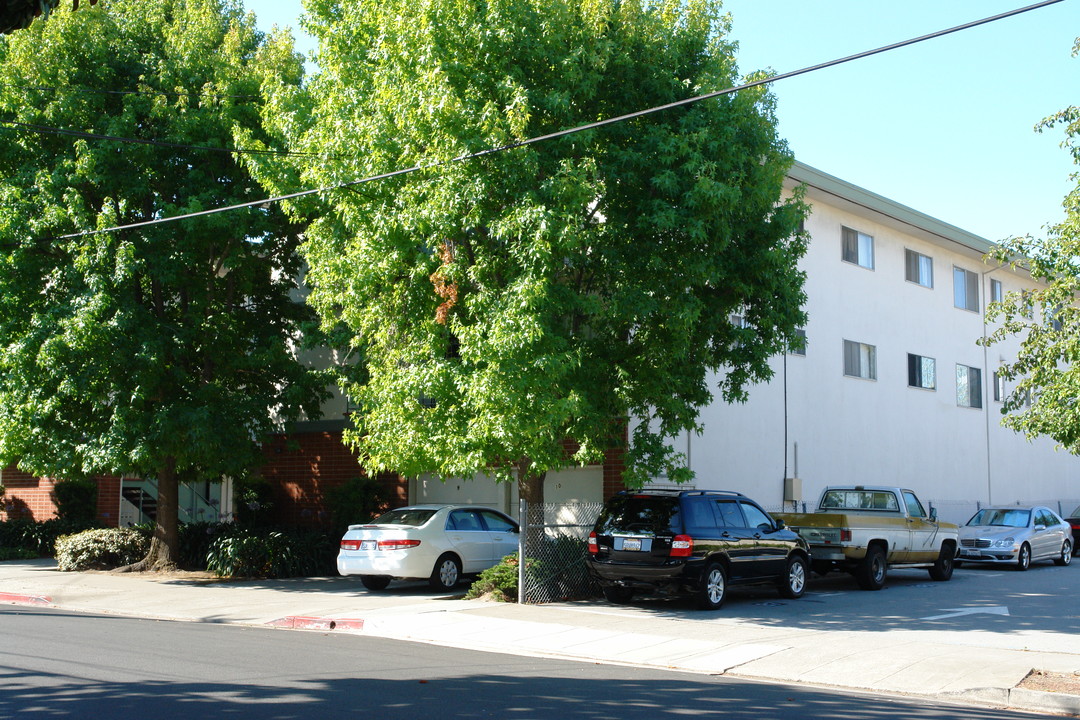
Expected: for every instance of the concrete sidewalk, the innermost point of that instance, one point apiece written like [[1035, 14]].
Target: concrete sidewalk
[[978, 668]]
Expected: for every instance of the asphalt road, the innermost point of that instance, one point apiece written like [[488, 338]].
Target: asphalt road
[[1045, 599], [58, 664]]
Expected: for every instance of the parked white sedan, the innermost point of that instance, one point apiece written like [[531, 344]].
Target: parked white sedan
[[436, 542], [1016, 536]]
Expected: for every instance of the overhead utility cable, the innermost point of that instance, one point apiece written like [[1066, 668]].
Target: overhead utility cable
[[571, 131]]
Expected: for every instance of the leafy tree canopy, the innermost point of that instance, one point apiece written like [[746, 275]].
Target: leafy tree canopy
[[161, 351], [1046, 399], [511, 311]]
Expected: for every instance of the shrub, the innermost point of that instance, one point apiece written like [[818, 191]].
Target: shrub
[[38, 537], [267, 553], [500, 583], [254, 501], [17, 554], [101, 549], [76, 501], [195, 542], [357, 501]]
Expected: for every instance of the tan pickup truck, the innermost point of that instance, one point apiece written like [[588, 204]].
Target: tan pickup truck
[[865, 529]]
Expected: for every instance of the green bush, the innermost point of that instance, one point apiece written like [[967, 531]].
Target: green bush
[[499, 582], [254, 501], [267, 553], [76, 501], [38, 538], [17, 554], [195, 542], [357, 501], [101, 549]]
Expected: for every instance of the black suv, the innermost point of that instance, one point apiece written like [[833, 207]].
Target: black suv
[[696, 541]]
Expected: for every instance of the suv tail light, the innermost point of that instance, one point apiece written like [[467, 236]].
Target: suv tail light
[[593, 548], [682, 546]]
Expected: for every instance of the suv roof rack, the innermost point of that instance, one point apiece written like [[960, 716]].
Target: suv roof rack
[[680, 493]]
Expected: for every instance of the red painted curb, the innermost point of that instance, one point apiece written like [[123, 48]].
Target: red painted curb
[[17, 599], [300, 622]]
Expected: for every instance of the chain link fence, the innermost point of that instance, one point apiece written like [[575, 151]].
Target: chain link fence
[[555, 538]]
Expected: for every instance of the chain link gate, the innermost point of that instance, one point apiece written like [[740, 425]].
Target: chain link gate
[[555, 543]]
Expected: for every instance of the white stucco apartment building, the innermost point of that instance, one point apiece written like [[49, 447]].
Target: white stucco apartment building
[[893, 387]]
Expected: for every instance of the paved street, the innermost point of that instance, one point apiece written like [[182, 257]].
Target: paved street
[[972, 639], [55, 664]]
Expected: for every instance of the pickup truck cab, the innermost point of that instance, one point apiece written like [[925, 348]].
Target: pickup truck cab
[[864, 530]]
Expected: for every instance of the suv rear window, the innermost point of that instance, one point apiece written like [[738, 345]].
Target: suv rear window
[[640, 515]]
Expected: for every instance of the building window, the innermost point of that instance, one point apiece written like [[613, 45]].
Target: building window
[[996, 293], [919, 268], [921, 372], [999, 388], [800, 347], [968, 386], [858, 248], [860, 360], [965, 289]]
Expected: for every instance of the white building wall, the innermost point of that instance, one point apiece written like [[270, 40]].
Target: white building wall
[[881, 431]]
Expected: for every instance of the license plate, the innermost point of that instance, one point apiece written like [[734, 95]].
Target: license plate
[[973, 553], [631, 544], [368, 544]]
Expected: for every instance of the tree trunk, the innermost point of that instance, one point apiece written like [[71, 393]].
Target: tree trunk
[[165, 543], [531, 490]]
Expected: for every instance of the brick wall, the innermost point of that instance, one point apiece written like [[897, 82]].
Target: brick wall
[[303, 467], [30, 498]]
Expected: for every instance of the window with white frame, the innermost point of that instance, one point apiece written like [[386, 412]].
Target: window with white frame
[[997, 294], [860, 360], [919, 268], [858, 248], [965, 289], [968, 386], [922, 371], [999, 388], [799, 348]]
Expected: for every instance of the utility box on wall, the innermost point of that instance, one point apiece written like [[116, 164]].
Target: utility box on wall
[[792, 489]]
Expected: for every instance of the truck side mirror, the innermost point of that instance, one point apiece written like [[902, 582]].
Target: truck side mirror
[[933, 514]]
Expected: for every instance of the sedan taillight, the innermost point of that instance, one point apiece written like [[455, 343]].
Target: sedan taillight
[[682, 546], [350, 544], [593, 547], [397, 544]]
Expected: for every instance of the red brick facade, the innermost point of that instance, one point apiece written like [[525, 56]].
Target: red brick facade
[[301, 468]]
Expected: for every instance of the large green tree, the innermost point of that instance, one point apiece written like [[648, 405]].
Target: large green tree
[[164, 351], [510, 313], [1046, 372]]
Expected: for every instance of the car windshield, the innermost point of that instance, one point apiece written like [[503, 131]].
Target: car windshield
[[640, 515], [997, 517], [414, 517]]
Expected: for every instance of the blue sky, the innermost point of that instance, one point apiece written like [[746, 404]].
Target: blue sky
[[944, 126]]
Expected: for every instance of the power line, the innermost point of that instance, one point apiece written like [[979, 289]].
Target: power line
[[157, 143], [580, 128]]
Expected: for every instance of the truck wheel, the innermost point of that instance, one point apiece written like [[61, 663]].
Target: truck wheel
[[792, 584], [942, 569], [1023, 560], [713, 589], [870, 573]]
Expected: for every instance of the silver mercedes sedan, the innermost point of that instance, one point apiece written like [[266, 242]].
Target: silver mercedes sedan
[[1016, 536]]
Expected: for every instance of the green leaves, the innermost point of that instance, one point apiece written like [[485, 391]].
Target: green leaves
[[128, 351], [592, 276]]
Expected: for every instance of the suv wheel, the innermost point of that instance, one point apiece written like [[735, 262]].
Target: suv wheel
[[793, 584], [713, 589], [618, 595]]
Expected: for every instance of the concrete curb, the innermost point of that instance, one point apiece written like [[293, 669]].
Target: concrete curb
[[299, 622], [18, 599]]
